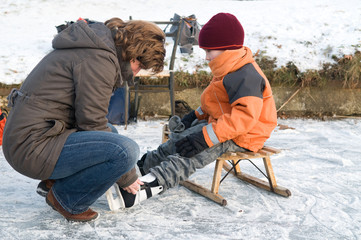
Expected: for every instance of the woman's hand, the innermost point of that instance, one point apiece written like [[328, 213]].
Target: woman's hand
[[134, 187]]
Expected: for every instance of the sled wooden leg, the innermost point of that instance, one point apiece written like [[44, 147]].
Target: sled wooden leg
[[270, 173], [217, 176], [237, 168]]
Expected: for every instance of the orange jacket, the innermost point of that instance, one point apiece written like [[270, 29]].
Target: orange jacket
[[238, 102]]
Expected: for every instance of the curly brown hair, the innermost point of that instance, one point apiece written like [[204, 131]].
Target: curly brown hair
[[139, 40]]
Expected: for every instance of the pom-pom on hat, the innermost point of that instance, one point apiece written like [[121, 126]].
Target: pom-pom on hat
[[222, 32]]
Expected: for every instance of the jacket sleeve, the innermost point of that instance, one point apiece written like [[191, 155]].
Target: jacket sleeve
[[128, 178], [245, 92], [94, 79]]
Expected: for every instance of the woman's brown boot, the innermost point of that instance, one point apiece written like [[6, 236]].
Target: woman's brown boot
[[81, 217]]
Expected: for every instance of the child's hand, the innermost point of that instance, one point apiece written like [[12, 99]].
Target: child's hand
[[188, 119], [134, 187], [191, 145]]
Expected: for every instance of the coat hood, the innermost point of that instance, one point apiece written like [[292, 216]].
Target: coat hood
[[97, 36], [83, 35]]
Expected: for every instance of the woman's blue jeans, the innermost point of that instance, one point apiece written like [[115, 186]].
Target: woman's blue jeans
[[89, 164]]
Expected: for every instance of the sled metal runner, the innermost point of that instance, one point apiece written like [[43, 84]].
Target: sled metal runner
[[234, 168]]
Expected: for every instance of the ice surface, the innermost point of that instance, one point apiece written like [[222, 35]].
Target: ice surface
[[319, 163]]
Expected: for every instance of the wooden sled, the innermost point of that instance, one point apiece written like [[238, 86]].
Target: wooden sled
[[234, 158], [233, 167]]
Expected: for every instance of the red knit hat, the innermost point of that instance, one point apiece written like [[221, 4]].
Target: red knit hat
[[222, 32]]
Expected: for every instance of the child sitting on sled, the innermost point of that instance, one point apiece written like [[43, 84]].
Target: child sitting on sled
[[237, 111]]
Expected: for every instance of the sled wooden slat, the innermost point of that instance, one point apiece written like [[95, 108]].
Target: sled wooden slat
[[204, 192], [271, 149], [235, 157]]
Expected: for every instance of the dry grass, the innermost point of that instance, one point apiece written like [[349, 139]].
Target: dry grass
[[344, 72], [353, 72]]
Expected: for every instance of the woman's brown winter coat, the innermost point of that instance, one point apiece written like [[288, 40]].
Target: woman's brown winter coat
[[68, 91]]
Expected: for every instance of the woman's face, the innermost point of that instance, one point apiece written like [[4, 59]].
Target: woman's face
[[212, 54], [135, 66]]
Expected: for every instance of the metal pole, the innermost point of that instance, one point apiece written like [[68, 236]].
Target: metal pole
[[171, 67]]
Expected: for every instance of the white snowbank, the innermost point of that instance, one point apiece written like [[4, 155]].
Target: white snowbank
[[306, 32]]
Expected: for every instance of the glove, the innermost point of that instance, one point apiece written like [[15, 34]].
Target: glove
[[188, 119], [175, 124], [191, 145]]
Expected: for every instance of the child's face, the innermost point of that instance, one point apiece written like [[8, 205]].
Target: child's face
[[212, 54]]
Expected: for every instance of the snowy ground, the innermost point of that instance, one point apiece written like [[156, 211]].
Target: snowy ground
[[319, 163], [307, 32]]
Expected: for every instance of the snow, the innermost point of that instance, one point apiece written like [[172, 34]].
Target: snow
[[306, 32], [319, 163]]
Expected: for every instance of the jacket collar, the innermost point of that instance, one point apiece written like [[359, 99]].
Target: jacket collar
[[230, 61]]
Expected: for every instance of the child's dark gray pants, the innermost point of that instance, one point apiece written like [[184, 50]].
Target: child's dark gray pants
[[170, 168]]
